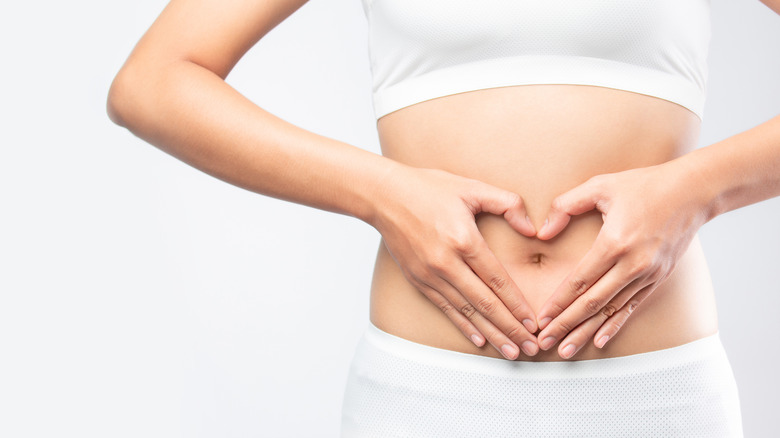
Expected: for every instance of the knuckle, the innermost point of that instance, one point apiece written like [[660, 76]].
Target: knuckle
[[618, 324], [515, 200], [486, 306], [468, 310], [632, 305], [578, 286], [463, 247], [621, 246], [437, 263], [593, 306], [641, 266], [426, 291], [420, 283], [557, 309], [422, 280], [516, 309], [462, 242], [557, 204], [598, 181], [446, 307], [516, 332], [660, 275], [413, 277], [615, 243], [565, 326], [609, 310], [497, 283]]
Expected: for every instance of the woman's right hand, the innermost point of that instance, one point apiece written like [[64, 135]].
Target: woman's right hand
[[427, 221]]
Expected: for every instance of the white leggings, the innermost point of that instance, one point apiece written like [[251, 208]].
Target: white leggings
[[399, 388]]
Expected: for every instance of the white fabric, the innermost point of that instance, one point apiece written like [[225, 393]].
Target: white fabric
[[398, 388], [421, 50]]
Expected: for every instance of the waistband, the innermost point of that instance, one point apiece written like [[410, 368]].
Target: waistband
[[695, 351]]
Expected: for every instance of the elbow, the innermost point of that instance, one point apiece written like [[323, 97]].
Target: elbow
[[124, 97], [116, 101]]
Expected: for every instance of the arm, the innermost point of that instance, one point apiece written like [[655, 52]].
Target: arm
[[740, 170], [171, 92], [772, 4], [650, 217]]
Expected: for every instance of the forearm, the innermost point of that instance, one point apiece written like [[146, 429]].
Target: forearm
[[192, 114], [737, 171]]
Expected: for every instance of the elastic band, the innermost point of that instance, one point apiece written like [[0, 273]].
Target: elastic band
[[693, 351]]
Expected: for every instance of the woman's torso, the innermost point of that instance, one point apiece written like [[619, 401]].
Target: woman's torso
[[540, 141]]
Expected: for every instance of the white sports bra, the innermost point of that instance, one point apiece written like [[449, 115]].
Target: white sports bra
[[423, 49]]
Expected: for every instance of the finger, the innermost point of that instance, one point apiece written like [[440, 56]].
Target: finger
[[578, 200], [465, 310], [589, 304], [596, 262], [484, 263], [482, 302], [491, 199], [494, 336], [461, 322], [615, 323], [580, 336]]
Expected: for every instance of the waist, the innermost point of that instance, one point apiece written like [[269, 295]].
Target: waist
[[540, 141], [693, 351]]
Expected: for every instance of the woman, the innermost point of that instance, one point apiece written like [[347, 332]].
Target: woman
[[538, 183]]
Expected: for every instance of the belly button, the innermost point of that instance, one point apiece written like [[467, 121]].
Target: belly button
[[537, 258]]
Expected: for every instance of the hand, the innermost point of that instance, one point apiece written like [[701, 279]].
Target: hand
[[427, 220], [650, 216]]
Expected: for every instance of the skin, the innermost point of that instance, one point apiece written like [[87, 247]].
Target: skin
[[646, 232], [459, 219], [607, 131]]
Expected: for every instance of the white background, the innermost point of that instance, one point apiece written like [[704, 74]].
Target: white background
[[142, 297]]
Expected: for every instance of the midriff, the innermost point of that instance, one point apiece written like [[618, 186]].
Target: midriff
[[540, 141]]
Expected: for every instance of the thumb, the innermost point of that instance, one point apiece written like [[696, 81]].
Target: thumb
[[491, 199], [578, 200]]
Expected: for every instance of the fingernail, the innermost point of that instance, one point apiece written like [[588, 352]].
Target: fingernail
[[476, 340], [568, 351], [544, 225], [529, 348], [543, 323], [531, 224], [602, 340], [529, 325], [547, 342], [509, 351]]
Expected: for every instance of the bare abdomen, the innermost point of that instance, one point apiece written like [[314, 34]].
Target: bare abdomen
[[540, 141]]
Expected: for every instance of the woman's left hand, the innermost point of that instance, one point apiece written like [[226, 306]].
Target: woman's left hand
[[650, 215]]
